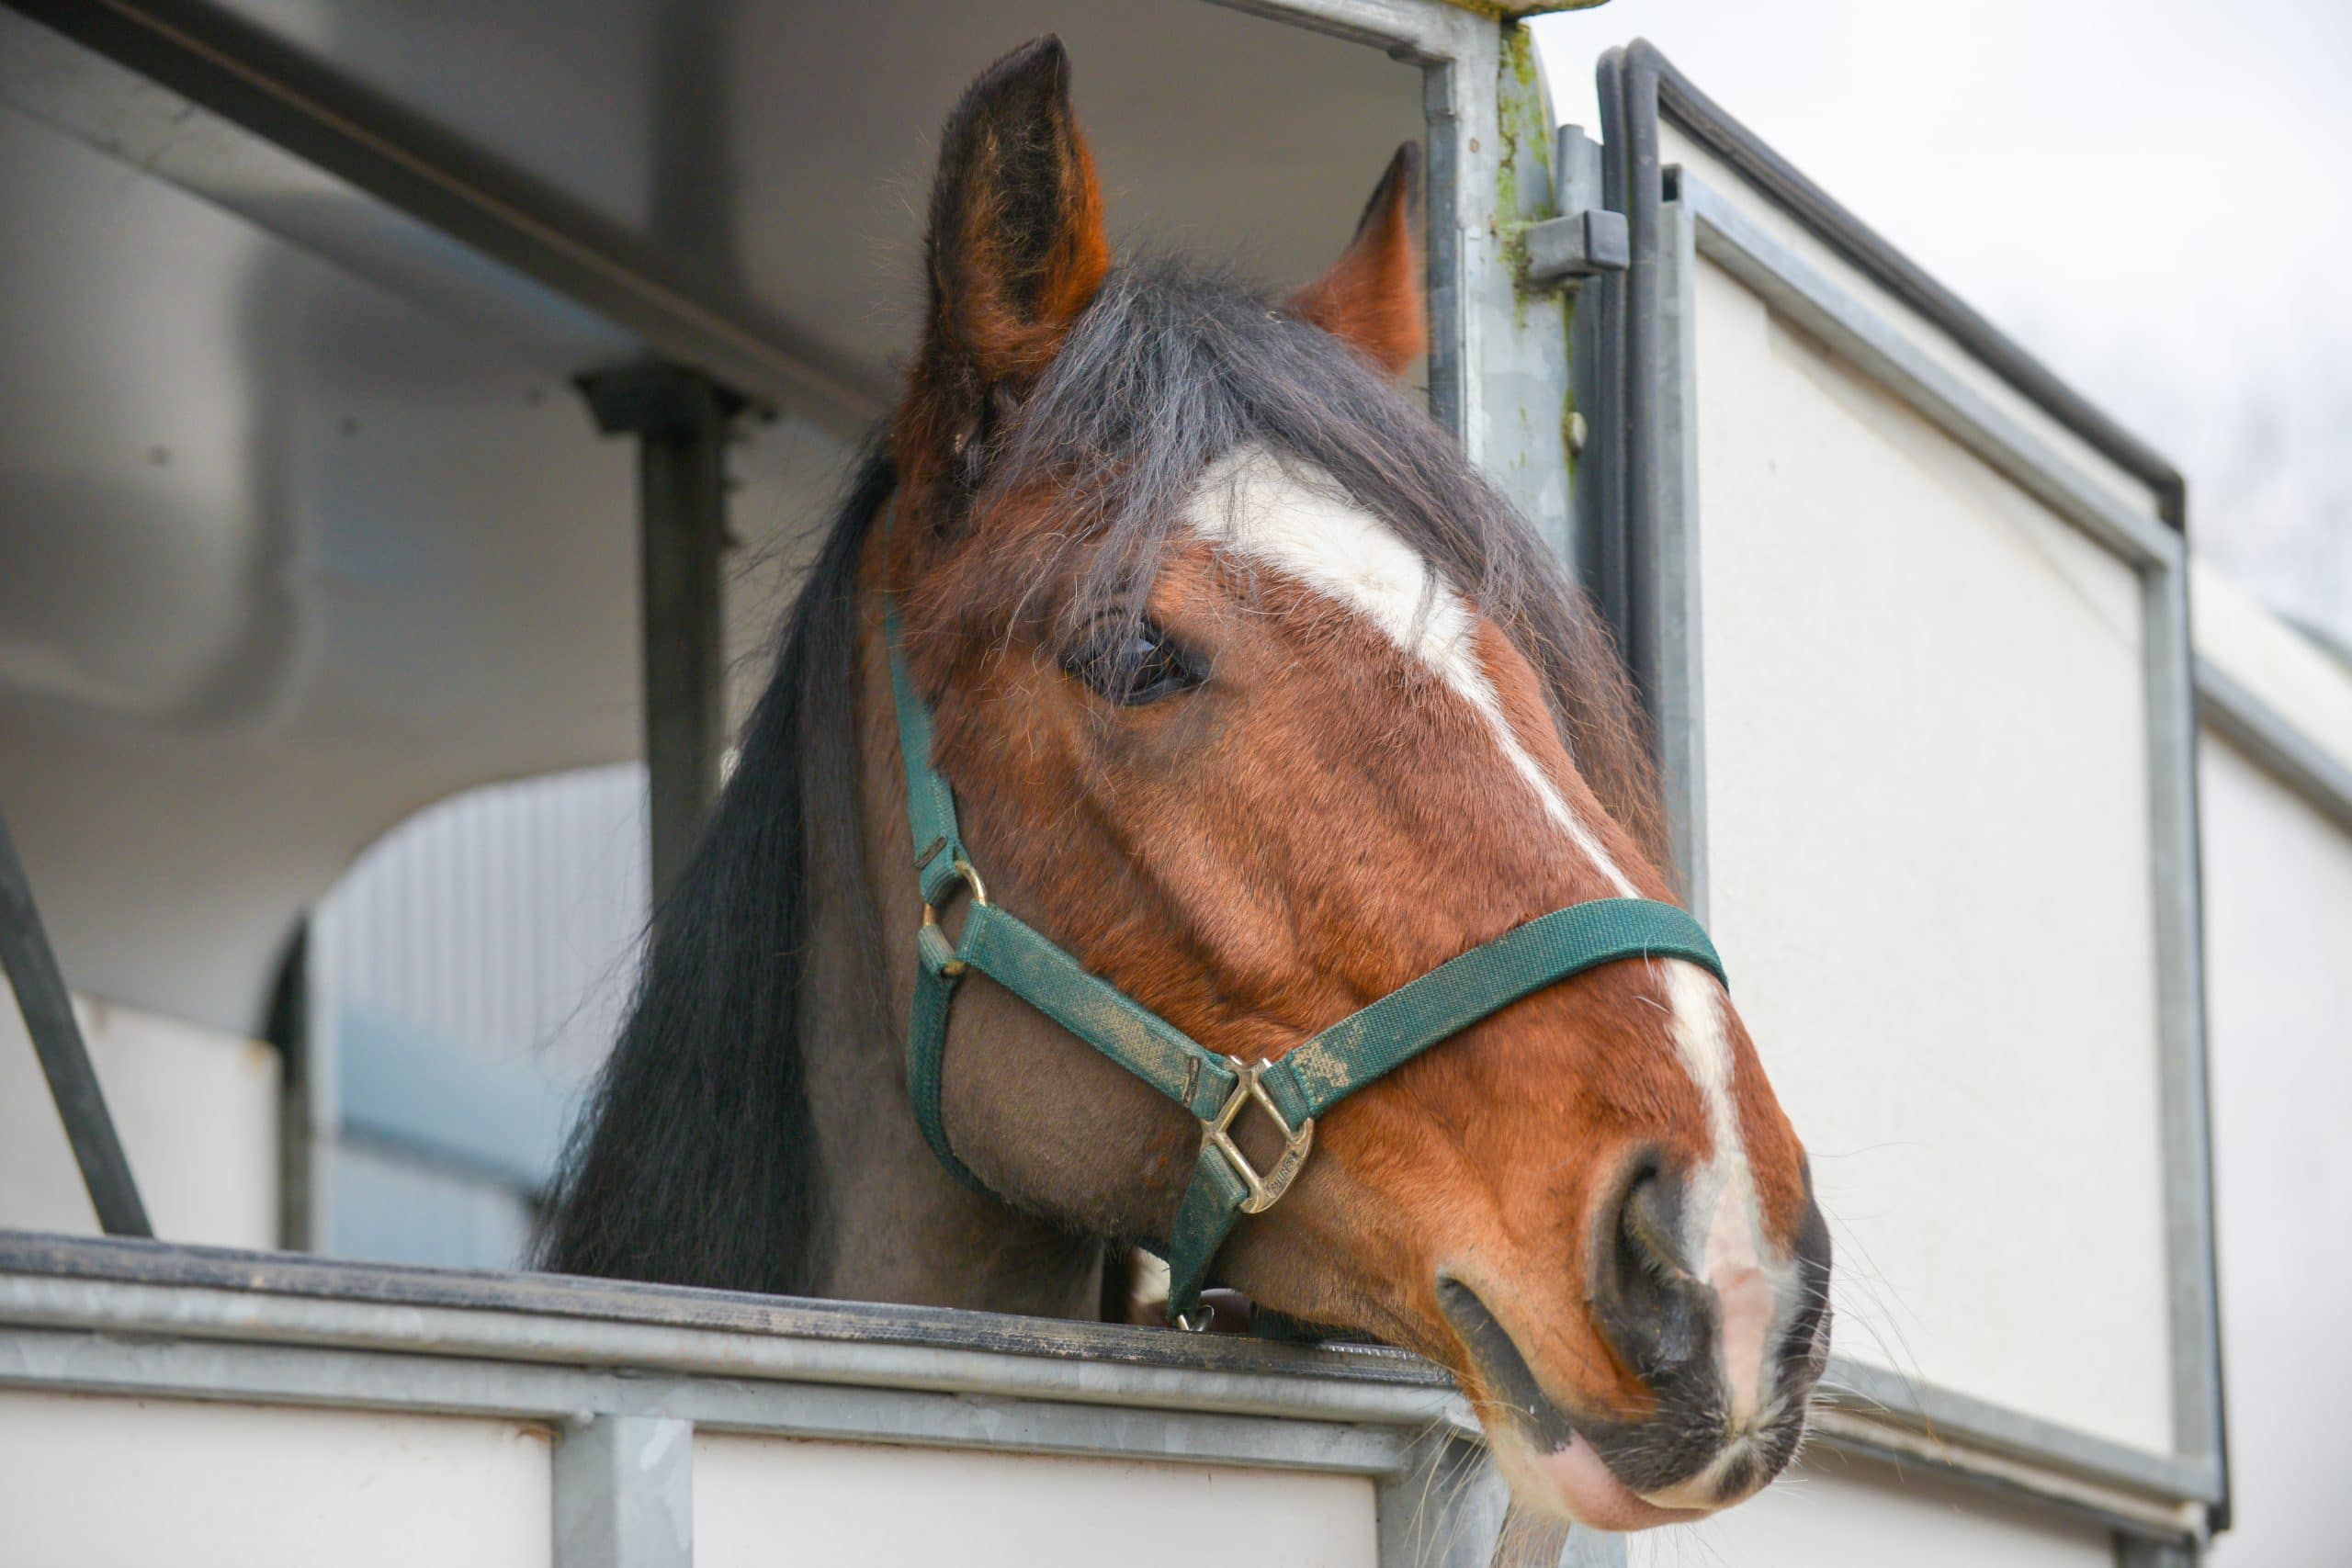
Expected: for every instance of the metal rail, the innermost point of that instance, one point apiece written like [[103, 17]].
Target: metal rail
[[48, 1010], [1640, 381], [101, 59]]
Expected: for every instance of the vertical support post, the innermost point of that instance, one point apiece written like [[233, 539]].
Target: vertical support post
[[1448, 1507], [48, 1010], [2143, 1551], [301, 1217], [681, 421], [625, 1494], [1498, 348]]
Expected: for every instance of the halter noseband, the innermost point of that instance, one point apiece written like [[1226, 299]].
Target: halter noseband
[[1214, 1089]]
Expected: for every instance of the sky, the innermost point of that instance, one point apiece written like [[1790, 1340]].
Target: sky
[[2150, 195]]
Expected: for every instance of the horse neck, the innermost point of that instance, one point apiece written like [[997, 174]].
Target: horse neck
[[894, 1226]]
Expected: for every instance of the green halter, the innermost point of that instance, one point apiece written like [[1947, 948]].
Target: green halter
[[1214, 1089]]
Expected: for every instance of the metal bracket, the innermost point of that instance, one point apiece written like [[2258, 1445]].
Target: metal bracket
[[1592, 241], [1587, 239]]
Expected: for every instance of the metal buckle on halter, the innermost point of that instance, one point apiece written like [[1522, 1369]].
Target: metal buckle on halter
[[971, 879], [1217, 1133]]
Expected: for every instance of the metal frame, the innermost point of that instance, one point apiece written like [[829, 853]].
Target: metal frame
[[624, 1373], [102, 1316], [130, 77], [39, 985], [1645, 509], [127, 75], [681, 419], [2251, 725], [398, 199]]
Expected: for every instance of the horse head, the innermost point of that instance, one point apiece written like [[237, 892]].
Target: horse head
[[1262, 704]]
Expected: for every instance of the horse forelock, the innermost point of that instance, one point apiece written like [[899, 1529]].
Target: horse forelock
[[1173, 370]]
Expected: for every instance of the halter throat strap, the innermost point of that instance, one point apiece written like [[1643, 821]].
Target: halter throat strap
[[1214, 1090]]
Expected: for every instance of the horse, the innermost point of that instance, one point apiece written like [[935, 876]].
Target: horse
[[1257, 700]]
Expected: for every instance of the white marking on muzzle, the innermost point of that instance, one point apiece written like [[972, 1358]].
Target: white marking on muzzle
[[1723, 1219]]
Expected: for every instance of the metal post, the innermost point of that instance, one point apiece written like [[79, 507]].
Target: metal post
[[625, 1494], [49, 1017], [681, 419]]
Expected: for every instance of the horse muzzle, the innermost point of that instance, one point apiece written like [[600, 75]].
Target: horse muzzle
[[1728, 1356]]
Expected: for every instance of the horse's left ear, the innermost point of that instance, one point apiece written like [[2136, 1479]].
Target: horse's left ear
[[1373, 297], [1017, 248]]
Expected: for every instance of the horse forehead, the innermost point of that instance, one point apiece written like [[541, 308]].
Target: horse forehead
[[1299, 521]]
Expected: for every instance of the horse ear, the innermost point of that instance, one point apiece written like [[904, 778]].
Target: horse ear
[[1016, 247], [1372, 299]]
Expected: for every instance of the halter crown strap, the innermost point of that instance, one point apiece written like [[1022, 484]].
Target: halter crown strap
[[1215, 1090]]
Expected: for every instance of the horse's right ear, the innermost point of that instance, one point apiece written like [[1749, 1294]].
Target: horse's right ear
[[1016, 248]]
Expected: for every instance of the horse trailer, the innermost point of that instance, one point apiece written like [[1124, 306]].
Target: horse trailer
[[402, 402]]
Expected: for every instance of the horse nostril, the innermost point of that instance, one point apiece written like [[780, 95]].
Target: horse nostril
[[1645, 1300]]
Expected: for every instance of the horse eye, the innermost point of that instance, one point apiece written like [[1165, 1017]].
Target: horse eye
[[1131, 663]]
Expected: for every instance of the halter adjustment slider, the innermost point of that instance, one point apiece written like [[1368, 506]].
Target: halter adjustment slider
[[1217, 1133]]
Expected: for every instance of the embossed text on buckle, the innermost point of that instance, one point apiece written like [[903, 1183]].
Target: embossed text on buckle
[[1218, 1135]]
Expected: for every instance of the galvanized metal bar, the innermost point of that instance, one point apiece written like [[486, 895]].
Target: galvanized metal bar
[[1443, 1507], [1882, 351], [542, 1348], [421, 186], [681, 421], [1670, 94], [2168, 652], [2136, 1550], [1677, 659], [1421, 30], [624, 1493], [2238, 716], [48, 1010], [1498, 349], [1938, 1416], [1287, 1387], [1007, 1418]]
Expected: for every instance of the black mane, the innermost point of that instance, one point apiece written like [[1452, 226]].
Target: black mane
[[694, 1161], [691, 1165]]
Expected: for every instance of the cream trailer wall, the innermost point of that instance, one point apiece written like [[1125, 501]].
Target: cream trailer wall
[[2276, 781], [1921, 775]]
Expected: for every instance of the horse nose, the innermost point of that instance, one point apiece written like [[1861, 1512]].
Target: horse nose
[[1658, 1315]]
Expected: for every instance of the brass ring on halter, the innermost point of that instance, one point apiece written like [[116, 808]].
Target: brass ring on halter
[[979, 890]]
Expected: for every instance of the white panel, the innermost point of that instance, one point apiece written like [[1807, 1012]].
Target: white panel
[[759, 1501], [2279, 938], [1835, 1513], [1928, 845], [197, 1110], [89, 1482]]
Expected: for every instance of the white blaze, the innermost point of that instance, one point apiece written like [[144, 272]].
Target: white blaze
[[1307, 528], [1300, 521]]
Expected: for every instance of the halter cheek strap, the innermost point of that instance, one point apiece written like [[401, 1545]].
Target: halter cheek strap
[[1214, 1090]]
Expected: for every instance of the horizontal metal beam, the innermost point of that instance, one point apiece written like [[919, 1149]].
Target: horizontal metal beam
[[1941, 1415], [187, 93], [543, 1346], [1680, 101], [2233, 711], [1741, 246]]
